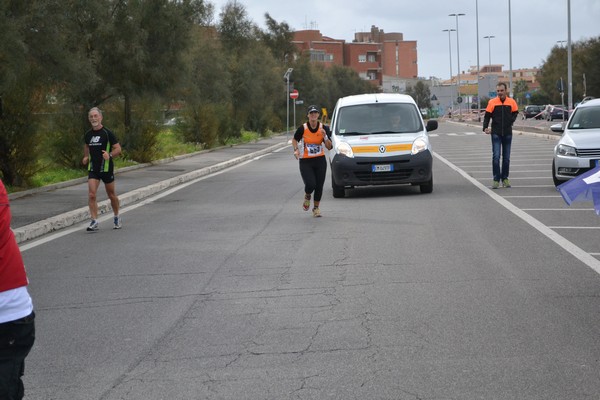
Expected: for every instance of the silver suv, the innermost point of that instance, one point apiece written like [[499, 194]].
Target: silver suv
[[379, 139], [578, 150]]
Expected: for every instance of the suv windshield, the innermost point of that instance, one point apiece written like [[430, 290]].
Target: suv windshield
[[378, 118], [585, 118]]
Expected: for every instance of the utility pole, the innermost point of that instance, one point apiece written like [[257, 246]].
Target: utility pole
[[286, 77]]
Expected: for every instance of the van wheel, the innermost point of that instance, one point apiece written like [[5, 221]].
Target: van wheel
[[338, 191], [427, 187]]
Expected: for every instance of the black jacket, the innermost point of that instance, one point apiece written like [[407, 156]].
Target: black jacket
[[502, 114]]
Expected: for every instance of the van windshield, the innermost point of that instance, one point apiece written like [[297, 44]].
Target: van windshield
[[378, 118]]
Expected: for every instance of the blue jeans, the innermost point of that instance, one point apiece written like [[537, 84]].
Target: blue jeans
[[500, 145]]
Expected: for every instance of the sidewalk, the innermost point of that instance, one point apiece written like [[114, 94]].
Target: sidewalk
[[40, 211]]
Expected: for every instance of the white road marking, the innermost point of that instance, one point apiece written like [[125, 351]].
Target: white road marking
[[569, 246], [574, 227], [557, 209], [531, 197]]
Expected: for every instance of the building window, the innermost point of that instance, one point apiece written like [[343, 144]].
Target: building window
[[371, 57], [320, 56], [362, 58]]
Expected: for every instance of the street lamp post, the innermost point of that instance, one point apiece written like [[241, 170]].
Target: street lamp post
[[286, 77], [458, 61], [510, 50], [489, 38], [478, 71], [569, 59], [450, 53]]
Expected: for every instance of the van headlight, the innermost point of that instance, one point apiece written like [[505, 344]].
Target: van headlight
[[344, 148], [563, 150], [418, 146]]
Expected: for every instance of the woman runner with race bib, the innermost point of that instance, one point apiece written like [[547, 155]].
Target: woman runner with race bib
[[309, 143]]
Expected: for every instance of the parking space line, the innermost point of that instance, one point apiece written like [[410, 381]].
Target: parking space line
[[566, 244], [557, 209], [530, 197], [511, 178], [574, 227], [531, 186], [488, 167]]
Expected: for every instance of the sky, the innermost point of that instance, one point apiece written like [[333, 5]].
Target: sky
[[535, 26]]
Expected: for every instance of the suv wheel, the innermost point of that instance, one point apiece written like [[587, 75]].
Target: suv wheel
[[338, 191]]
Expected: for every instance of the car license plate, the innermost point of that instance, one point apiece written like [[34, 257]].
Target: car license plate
[[382, 168]]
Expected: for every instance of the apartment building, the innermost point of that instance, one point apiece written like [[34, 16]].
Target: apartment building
[[375, 55]]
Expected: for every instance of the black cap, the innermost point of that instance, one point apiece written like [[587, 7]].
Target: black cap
[[312, 109]]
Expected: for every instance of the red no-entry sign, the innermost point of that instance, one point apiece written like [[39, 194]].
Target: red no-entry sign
[[294, 94]]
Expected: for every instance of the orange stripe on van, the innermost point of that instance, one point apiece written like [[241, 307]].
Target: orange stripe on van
[[388, 148]]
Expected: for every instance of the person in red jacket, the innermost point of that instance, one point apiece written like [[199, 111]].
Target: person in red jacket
[[17, 328], [502, 111]]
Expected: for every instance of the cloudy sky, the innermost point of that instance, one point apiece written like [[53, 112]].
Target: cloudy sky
[[536, 26]]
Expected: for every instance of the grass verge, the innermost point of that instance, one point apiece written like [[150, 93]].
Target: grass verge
[[168, 146]]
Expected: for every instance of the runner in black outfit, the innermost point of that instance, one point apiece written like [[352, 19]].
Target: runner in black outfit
[[101, 145]]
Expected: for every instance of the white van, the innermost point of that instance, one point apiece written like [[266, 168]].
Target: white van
[[379, 139]]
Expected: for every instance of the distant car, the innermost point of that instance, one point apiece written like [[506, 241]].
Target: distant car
[[578, 150], [380, 139], [557, 112], [533, 112], [173, 121]]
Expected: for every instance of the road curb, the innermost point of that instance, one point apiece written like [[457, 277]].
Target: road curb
[[61, 221]]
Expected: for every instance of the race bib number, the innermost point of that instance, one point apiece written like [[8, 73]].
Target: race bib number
[[314, 149]]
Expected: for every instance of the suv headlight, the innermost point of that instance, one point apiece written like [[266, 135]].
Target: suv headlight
[[418, 146], [563, 150], [344, 148]]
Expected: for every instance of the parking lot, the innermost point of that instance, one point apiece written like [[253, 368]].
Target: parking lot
[[533, 196]]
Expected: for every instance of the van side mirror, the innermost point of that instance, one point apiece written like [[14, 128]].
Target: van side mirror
[[432, 125]]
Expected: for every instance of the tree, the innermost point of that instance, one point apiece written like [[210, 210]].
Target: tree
[[421, 94], [585, 59], [344, 81], [205, 91], [278, 38], [236, 31], [253, 70], [520, 90], [29, 59]]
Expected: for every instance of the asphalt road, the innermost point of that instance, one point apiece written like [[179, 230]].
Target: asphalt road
[[223, 288]]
